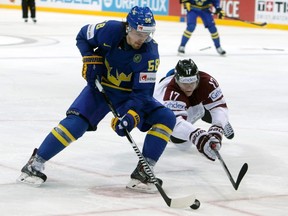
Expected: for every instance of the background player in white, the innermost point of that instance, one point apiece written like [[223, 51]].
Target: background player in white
[[192, 94]]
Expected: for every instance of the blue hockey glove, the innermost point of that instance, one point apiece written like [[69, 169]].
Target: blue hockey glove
[[129, 121], [220, 13], [93, 67]]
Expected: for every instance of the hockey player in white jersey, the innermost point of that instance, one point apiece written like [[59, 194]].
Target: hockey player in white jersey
[[192, 94]]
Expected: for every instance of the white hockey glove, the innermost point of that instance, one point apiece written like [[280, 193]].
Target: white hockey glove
[[216, 131], [203, 141]]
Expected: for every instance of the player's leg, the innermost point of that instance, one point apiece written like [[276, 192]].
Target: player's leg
[[162, 121], [24, 5], [191, 25], [84, 114], [68, 130], [32, 10], [209, 23]]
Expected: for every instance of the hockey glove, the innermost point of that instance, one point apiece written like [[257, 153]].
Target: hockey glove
[[220, 13], [204, 141], [216, 131], [187, 6], [93, 66], [129, 121]]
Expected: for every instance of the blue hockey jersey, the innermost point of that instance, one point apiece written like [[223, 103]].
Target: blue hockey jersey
[[130, 74]]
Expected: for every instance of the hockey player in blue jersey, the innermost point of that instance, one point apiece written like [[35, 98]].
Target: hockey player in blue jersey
[[201, 8], [124, 58]]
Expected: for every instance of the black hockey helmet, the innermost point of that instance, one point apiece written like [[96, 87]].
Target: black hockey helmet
[[186, 71]]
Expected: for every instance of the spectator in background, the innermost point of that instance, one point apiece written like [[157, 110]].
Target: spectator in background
[[28, 4]]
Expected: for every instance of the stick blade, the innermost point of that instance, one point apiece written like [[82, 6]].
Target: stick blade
[[183, 202], [259, 24], [241, 174], [263, 24]]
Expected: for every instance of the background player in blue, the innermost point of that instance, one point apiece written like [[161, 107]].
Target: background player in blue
[[201, 8], [124, 58]]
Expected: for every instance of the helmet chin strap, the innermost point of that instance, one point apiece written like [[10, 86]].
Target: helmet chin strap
[[128, 29], [149, 39]]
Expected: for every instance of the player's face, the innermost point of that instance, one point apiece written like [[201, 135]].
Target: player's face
[[136, 39], [188, 88]]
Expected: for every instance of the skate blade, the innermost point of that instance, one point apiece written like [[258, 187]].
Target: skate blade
[[33, 181], [138, 186], [180, 54]]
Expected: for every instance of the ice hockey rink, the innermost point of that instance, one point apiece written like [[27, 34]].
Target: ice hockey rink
[[40, 76]]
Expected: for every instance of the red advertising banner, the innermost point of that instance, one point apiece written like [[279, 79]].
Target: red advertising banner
[[174, 8], [244, 9]]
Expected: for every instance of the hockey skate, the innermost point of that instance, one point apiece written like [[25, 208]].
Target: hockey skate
[[31, 172], [221, 51], [141, 181], [181, 50], [228, 131]]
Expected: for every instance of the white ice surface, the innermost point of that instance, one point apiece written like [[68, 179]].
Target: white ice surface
[[40, 76]]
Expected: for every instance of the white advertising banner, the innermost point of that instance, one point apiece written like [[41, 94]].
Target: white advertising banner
[[72, 4], [271, 11], [94, 5]]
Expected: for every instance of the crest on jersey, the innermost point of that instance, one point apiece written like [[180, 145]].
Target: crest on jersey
[[137, 58]]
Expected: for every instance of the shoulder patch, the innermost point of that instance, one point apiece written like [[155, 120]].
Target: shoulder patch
[[215, 94], [90, 31]]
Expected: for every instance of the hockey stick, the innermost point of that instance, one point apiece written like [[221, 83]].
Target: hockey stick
[[240, 175], [245, 21], [174, 203]]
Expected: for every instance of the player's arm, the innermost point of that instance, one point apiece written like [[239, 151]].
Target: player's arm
[[216, 3], [203, 140], [219, 11], [186, 4], [87, 43], [216, 105], [86, 39]]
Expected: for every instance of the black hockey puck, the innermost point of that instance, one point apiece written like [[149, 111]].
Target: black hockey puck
[[195, 205]]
